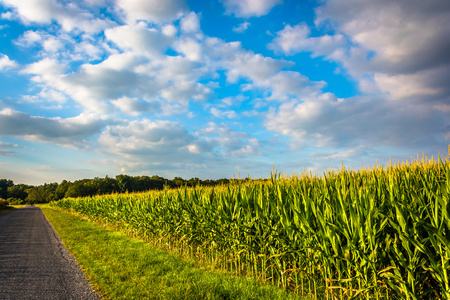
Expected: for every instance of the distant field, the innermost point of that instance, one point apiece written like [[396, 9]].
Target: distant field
[[373, 233]]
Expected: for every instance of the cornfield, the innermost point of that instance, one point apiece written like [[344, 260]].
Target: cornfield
[[379, 233]]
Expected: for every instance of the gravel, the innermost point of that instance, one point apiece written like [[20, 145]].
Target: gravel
[[34, 263]]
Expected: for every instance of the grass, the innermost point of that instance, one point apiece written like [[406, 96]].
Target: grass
[[120, 267], [4, 210], [8, 208]]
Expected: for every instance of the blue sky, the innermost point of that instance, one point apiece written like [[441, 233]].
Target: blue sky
[[216, 89]]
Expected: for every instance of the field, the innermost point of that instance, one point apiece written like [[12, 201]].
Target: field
[[380, 233]]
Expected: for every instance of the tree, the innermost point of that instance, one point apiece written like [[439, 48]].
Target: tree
[[4, 185], [18, 191], [79, 188], [62, 188], [178, 181], [125, 183], [36, 195], [194, 181]]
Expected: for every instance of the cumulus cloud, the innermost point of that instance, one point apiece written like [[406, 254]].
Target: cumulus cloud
[[400, 43], [154, 145], [398, 53], [6, 63], [249, 8], [70, 132], [152, 10], [190, 48], [262, 72], [190, 23], [405, 36], [146, 138], [228, 142], [138, 38], [62, 46], [254, 66], [168, 79], [332, 122], [292, 40], [134, 106], [393, 47], [69, 16]]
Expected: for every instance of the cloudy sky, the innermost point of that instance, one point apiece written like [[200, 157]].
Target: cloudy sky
[[220, 88]]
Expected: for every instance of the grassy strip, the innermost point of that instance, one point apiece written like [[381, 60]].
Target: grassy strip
[[4, 210], [120, 267]]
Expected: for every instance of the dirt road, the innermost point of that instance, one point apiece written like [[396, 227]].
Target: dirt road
[[34, 264]]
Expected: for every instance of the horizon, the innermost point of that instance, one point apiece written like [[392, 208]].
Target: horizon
[[181, 88]]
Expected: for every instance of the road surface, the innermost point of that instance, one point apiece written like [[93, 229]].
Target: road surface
[[34, 264]]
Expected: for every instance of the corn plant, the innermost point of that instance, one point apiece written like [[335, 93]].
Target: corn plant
[[379, 233]]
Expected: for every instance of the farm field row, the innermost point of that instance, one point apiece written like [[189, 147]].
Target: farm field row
[[373, 233]]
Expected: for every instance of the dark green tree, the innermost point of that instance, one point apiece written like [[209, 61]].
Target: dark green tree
[[4, 185], [18, 191]]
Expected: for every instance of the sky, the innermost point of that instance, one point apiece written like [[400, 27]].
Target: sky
[[221, 88]]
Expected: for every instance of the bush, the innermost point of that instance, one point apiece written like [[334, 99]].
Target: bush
[[15, 201], [3, 203]]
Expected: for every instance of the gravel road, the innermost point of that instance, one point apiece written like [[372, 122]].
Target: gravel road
[[34, 264]]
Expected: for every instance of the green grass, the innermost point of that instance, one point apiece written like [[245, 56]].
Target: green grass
[[4, 210], [120, 267]]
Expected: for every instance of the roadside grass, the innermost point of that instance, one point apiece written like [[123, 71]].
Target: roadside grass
[[120, 267], [4, 210], [8, 208]]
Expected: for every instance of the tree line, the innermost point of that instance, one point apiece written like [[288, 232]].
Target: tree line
[[29, 194]]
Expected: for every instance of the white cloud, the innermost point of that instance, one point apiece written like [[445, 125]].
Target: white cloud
[[71, 132], [264, 73], [145, 142], [46, 95], [134, 106], [29, 38], [6, 63], [7, 15], [292, 40], [169, 80], [46, 70], [40, 11], [288, 84], [138, 38], [249, 8], [405, 36], [400, 43], [241, 27], [253, 66], [169, 30], [228, 142], [63, 46], [331, 122], [420, 84], [190, 48], [152, 10], [69, 16], [190, 23], [223, 114]]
